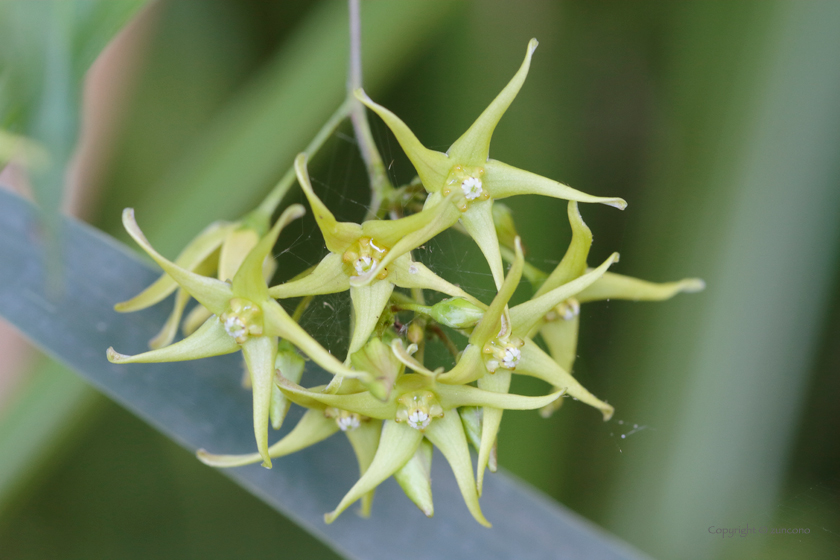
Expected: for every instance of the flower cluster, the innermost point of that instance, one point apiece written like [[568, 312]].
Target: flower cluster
[[383, 397]]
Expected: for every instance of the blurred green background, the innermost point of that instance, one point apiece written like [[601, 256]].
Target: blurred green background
[[719, 123]]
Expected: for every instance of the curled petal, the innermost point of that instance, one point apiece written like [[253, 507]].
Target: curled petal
[[209, 340], [211, 293], [199, 250], [407, 359], [447, 434], [249, 282], [502, 180], [338, 236], [170, 327], [618, 286], [312, 428], [431, 166], [396, 446], [526, 316], [573, 264], [327, 278], [536, 363]]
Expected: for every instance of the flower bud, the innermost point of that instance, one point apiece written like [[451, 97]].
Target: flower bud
[[457, 313]]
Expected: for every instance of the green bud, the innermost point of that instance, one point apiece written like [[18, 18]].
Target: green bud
[[457, 313]]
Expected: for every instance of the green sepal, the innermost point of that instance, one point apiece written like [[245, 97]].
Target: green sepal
[[396, 446], [210, 339], [196, 252], [377, 358], [447, 434], [195, 318], [453, 396], [415, 478], [618, 286], [471, 418], [312, 428], [167, 333], [505, 227], [410, 274], [365, 441], [490, 325], [259, 353], [368, 304], [561, 337], [573, 264], [338, 236], [234, 250], [478, 221], [473, 147], [327, 278]]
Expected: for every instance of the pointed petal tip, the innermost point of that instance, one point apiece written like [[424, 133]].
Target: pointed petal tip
[[615, 257], [532, 45], [330, 517], [619, 203], [693, 285], [267, 463], [608, 412]]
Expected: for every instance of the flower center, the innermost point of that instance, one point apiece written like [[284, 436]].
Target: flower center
[[242, 320], [346, 421], [418, 408], [470, 183], [501, 353], [363, 256]]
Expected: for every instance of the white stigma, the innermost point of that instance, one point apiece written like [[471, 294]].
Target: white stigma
[[572, 310], [235, 326], [364, 264], [348, 422], [511, 358], [418, 419], [472, 187]]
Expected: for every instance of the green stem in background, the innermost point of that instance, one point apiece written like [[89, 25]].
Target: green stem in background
[[273, 199], [380, 185]]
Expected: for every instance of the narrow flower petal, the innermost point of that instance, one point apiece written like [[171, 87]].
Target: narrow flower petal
[[338, 236], [618, 286], [526, 316], [312, 428], [396, 446], [199, 249], [234, 250], [499, 382], [502, 180], [249, 282], [489, 326], [431, 166], [365, 440], [403, 356], [573, 264], [278, 323], [473, 146], [368, 304], [259, 353], [447, 434], [170, 327], [436, 219], [536, 363], [453, 396], [478, 221], [361, 403], [470, 366], [211, 293], [561, 338], [377, 358], [415, 478], [290, 365], [209, 340], [409, 274], [327, 278]]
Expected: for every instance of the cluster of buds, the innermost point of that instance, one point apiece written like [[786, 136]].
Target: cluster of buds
[[393, 407]]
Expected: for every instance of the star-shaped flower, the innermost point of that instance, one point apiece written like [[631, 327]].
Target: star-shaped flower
[[244, 317], [467, 177], [417, 408], [356, 250]]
